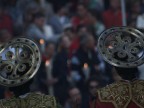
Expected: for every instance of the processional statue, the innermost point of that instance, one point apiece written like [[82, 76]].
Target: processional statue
[[19, 62], [122, 47]]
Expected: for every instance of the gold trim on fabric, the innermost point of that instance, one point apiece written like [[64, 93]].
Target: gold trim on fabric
[[32, 100], [117, 93]]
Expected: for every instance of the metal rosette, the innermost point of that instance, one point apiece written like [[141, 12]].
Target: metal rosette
[[19, 61], [122, 46]]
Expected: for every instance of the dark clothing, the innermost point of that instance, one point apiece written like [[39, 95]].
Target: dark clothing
[[79, 59], [83, 57], [92, 102], [2, 90], [57, 4], [40, 80], [60, 71]]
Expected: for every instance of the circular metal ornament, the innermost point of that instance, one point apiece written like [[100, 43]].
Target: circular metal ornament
[[19, 61], [122, 46]]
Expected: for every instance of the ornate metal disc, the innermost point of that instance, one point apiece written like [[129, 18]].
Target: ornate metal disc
[[122, 46], [19, 61]]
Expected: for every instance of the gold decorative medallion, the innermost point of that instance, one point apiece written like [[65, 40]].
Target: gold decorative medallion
[[32, 100], [19, 61], [122, 46], [117, 93]]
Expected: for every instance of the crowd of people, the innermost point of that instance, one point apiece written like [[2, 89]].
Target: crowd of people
[[67, 32]]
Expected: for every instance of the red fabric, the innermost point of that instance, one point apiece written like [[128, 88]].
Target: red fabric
[[74, 46], [44, 58], [6, 23], [110, 105], [92, 104], [8, 94], [112, 19], [77, 20]]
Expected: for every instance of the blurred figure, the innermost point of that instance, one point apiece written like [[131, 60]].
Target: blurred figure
[[5, 21], [80, 18], [85, 62], [97, 5], [140, 22], [75, 98], [93, 85], [28, 12], [70, 32], [14, 11], [59, 20], [42, 81], [50, 49], [57, 4], [134, 13], [39, 29], [96, 23], [61, 69], [113, 16], [80, 31], [5, 36]]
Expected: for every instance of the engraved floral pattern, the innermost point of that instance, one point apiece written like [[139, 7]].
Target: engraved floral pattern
[[122, 93], [122, 46], [19, 61]]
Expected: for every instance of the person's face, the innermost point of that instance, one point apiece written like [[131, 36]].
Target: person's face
[[81, 11], [75, 95], [40, 21], [62, 12], [82, 31], [66, 42], [91, 42], [50, 49], [115, 4], [93, 86], [70, 34]]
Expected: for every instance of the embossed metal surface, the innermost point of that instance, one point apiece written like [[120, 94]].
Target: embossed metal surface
[[19, 61], [32, 100], [122, 46], [122, 93]]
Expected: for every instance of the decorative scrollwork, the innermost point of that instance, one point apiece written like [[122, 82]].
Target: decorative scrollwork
[[122, 46], [19, 61]]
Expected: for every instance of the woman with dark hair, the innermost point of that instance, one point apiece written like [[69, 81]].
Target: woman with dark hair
[[61, 68]]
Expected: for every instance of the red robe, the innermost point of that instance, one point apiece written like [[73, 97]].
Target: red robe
[[121, 94]]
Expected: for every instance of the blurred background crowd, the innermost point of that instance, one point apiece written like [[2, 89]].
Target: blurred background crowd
[[67, 32]]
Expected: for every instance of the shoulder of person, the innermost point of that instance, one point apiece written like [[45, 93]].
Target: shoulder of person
[[118, 93], [30, 100]]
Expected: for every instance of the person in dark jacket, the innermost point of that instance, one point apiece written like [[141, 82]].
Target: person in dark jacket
[[85, 61], [60, 69]]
